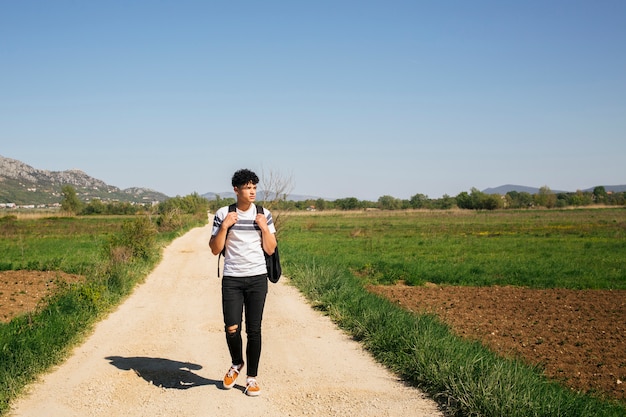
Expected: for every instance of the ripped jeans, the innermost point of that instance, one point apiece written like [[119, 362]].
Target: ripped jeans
[[241, 294]]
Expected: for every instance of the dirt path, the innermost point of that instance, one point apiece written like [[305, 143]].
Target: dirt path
[[163, 353]]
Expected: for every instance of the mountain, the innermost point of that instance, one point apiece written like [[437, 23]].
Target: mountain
[[213, 196], [260, 194], [610, 188], [503, 189], [22, 184]]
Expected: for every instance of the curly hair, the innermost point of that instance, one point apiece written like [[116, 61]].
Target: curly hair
[[243, 177]]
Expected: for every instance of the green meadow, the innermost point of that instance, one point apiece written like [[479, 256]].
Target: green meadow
[[330, 257], [69, 244], [537, 249]]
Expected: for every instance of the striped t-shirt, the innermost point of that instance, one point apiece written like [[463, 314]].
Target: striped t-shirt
[[244, 254]]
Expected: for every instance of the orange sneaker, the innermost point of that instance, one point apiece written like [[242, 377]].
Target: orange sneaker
[[231, 376], [252, 388]]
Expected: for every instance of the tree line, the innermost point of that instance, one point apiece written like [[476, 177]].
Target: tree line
[[472, 200], [475, 199]]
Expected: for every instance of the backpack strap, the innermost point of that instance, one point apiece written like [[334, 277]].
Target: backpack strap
[[231, 208], [259, 210]]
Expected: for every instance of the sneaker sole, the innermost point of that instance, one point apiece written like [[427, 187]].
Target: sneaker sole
[[253, 393]]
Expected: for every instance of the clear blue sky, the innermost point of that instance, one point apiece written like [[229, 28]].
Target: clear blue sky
[[348, 98]]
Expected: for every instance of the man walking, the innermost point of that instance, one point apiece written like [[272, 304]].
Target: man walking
[[243, 235]]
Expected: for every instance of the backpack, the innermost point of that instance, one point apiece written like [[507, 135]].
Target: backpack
[[274, 271], [272, 262]]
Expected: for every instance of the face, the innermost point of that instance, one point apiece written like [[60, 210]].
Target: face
[[246, 193]]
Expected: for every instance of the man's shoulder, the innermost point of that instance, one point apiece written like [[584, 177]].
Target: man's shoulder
[[260, 208], [222, 211]]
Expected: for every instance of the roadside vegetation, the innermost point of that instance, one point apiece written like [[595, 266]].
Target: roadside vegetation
[[332, 258], [113, 253]]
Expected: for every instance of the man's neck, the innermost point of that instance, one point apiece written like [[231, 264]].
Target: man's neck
[[243, 206]]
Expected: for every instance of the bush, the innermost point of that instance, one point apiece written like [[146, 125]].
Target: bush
[[137, 239], [171, 219]]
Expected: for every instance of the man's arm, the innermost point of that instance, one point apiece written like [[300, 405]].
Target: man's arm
[[268, 239], [218, 241]]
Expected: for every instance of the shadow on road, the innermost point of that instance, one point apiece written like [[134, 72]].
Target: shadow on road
[[163, 373]]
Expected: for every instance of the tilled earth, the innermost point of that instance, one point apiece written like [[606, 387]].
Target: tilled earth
[[577, 336], [22, 291]]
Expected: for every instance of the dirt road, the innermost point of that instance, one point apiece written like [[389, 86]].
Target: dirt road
[[163, 353]]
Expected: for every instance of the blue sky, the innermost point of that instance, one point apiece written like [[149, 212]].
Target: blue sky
[[347, 98]]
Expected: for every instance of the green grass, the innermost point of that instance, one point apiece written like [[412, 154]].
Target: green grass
[[537, 249], [331, 257], [114, 253], [69, 244]]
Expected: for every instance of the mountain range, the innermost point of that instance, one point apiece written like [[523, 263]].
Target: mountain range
[[503, 189], [21, 184], [260, 193]]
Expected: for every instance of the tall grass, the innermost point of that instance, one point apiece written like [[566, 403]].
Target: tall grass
[[331, 258]]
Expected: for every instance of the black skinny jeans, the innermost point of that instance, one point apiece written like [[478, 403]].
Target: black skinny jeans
[[249, 293]]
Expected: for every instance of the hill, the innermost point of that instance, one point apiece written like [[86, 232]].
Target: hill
[[503, 189], [21, 184], [229, 194]]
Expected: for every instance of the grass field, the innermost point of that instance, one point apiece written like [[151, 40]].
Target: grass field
[[536, 249], [55, 243], [333, 257]]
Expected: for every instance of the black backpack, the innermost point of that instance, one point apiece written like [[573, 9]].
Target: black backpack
[[274, 270]]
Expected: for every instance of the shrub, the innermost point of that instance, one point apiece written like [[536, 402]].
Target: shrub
[[137, 239]]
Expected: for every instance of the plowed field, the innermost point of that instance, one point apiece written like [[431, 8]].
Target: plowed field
[[577, 337]]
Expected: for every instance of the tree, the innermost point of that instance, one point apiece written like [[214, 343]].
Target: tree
[[350, 203], [444, 203], [388, 202], [545, 197], [491, 202], [477, 197], [275, 187], [525, 199], [320, 204], [95, 206], [477, 200], [70, 202], [419, 201], [464, 201], [599, 194]]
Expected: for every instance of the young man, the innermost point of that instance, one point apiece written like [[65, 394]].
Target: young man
[[244, 234]]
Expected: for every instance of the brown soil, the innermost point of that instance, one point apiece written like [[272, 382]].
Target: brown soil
[[577, 337], [21, 291]]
